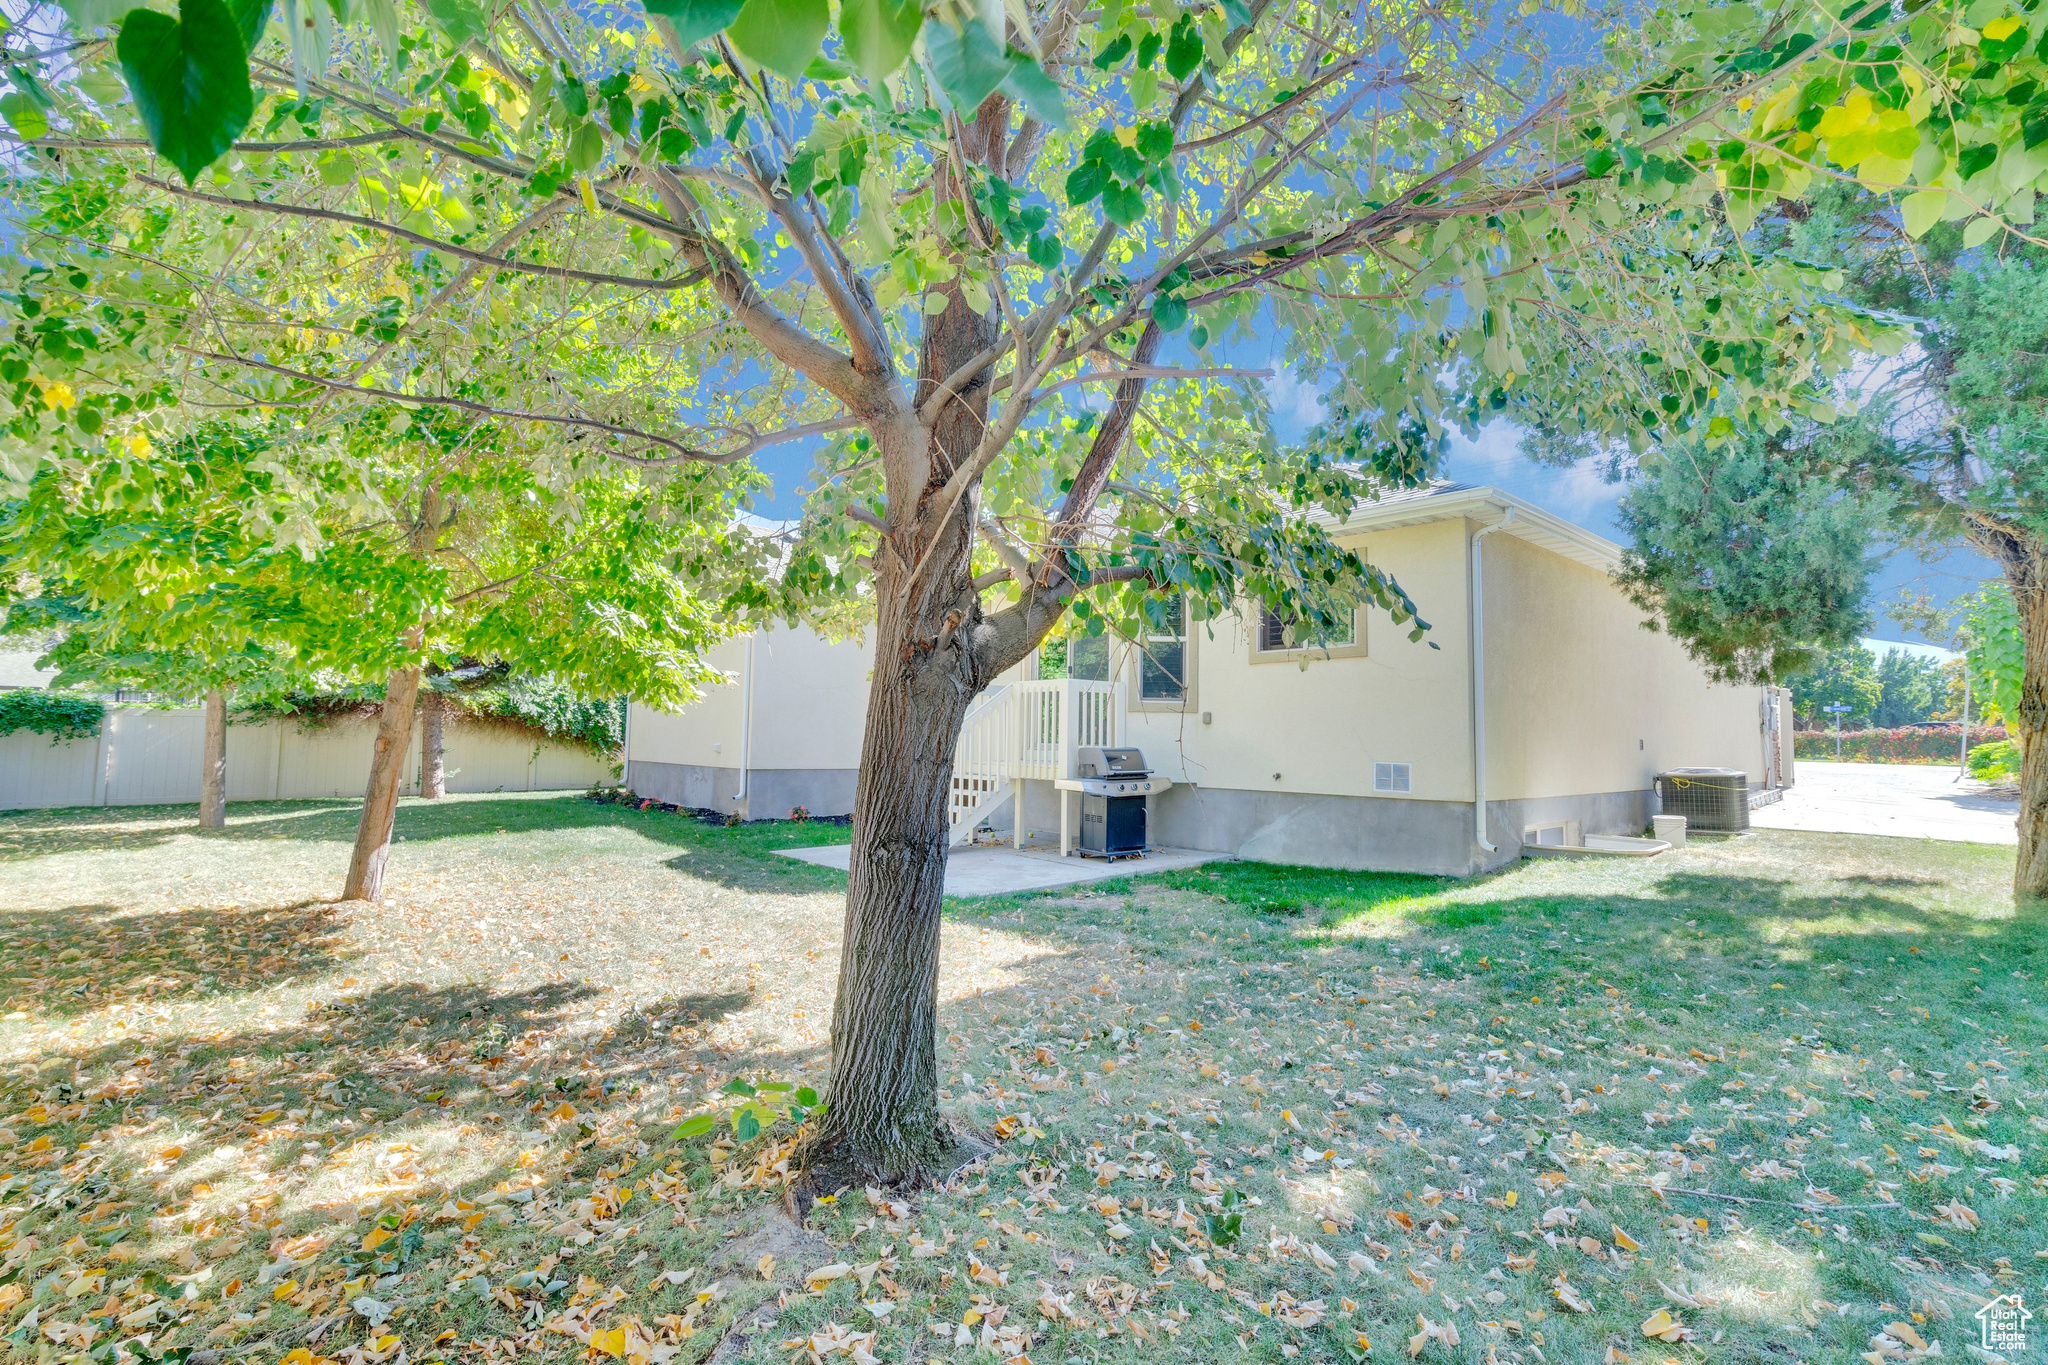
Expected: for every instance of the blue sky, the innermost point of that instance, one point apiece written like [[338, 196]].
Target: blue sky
[[1578, 494]]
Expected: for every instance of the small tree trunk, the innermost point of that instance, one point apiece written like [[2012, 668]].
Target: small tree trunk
[[433, 779], [2029, 580], [213, 762], [380, 801]]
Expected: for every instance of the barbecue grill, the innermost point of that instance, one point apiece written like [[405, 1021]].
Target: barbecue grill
[[1113, 784]]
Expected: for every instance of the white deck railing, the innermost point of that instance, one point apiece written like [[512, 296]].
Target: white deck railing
[[1028, 730]]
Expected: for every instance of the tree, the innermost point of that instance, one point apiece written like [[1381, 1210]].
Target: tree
[[1909, 689], [1996, 650], [1753, 558], [439, 547], [682, 242], [1839, 677], [180, 597]]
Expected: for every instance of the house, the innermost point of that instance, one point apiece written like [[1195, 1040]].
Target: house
[[1543, 712]]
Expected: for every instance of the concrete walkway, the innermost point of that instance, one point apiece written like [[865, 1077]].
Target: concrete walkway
[[1001, 871], [1911, 801]]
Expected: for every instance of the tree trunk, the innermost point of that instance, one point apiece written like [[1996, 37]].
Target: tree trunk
[[394, 733], [380, 801], [213, 763], [935, 649], [2028, 575], [884, 1119], [884, 1114], [433, 779]]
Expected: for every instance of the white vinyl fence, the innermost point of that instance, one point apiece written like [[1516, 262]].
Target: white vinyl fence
[[149, 756]]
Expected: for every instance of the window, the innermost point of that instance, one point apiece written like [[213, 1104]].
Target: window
[[1273, 628], [1088, 657], [1390, 777], [1162, 657]]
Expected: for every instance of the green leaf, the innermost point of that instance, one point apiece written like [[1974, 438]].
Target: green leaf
[[1170, 311], [1118, 49], [1235, 14], [190, 79], [1123, 204], [1981, 230], [828, 69], [24, 115], [775, 1087], [696, 20], [967, 62], [1919, 212], [250, 18], [1600, 161], [806, 1096], [878, 33], [1184, 49], [586, 147], [746, 1126], [782, 35], [383, 17], [736, 1086], [92, 14], [693, 1128], [1975, 159], [1085, 181], [1028, 85], [462, 20]]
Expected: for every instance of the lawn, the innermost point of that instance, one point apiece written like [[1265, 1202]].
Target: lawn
[[1768, 1096]]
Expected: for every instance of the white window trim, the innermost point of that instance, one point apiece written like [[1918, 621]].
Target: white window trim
[[1254, 618], [1134, 652]]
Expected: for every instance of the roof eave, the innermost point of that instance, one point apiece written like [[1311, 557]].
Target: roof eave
[[1489, 506]]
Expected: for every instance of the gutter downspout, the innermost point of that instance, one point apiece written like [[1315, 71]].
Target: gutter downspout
[[746, 719], [1479, 682], [626, 749]]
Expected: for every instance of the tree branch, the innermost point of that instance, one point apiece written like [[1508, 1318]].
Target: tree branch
[[1102, 454], [317, 144], [682, 452], [557, 272]]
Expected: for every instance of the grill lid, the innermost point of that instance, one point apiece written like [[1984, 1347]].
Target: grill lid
[[1105, 762]]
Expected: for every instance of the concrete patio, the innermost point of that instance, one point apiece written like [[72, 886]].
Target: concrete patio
[[1000, 871], [1912, 801]]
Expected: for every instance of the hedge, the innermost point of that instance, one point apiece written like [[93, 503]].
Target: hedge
[[1906, 745], [60, 715]]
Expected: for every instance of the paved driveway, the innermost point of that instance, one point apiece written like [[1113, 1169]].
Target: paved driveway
[[1908, 800]]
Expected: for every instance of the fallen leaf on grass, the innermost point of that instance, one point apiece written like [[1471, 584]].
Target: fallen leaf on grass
[[1446, 1332], [1568, 1295]]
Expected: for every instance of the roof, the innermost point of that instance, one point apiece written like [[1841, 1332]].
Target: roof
[[1447, 501]]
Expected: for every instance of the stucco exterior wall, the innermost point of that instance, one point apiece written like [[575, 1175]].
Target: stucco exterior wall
[[802, 748], [1580, 698], [1322, 727]]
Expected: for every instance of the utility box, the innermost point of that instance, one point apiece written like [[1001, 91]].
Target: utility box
[[1710, 799]]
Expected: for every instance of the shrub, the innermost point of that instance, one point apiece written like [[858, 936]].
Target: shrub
[[1913, 744], [1998, 761], [59, 715]]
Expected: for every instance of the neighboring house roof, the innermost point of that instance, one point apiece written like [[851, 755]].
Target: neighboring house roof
[[18, 668], [1447, 501]]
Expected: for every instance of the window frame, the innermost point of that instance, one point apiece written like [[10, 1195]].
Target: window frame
[[1255, 630], [1136, 652]]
